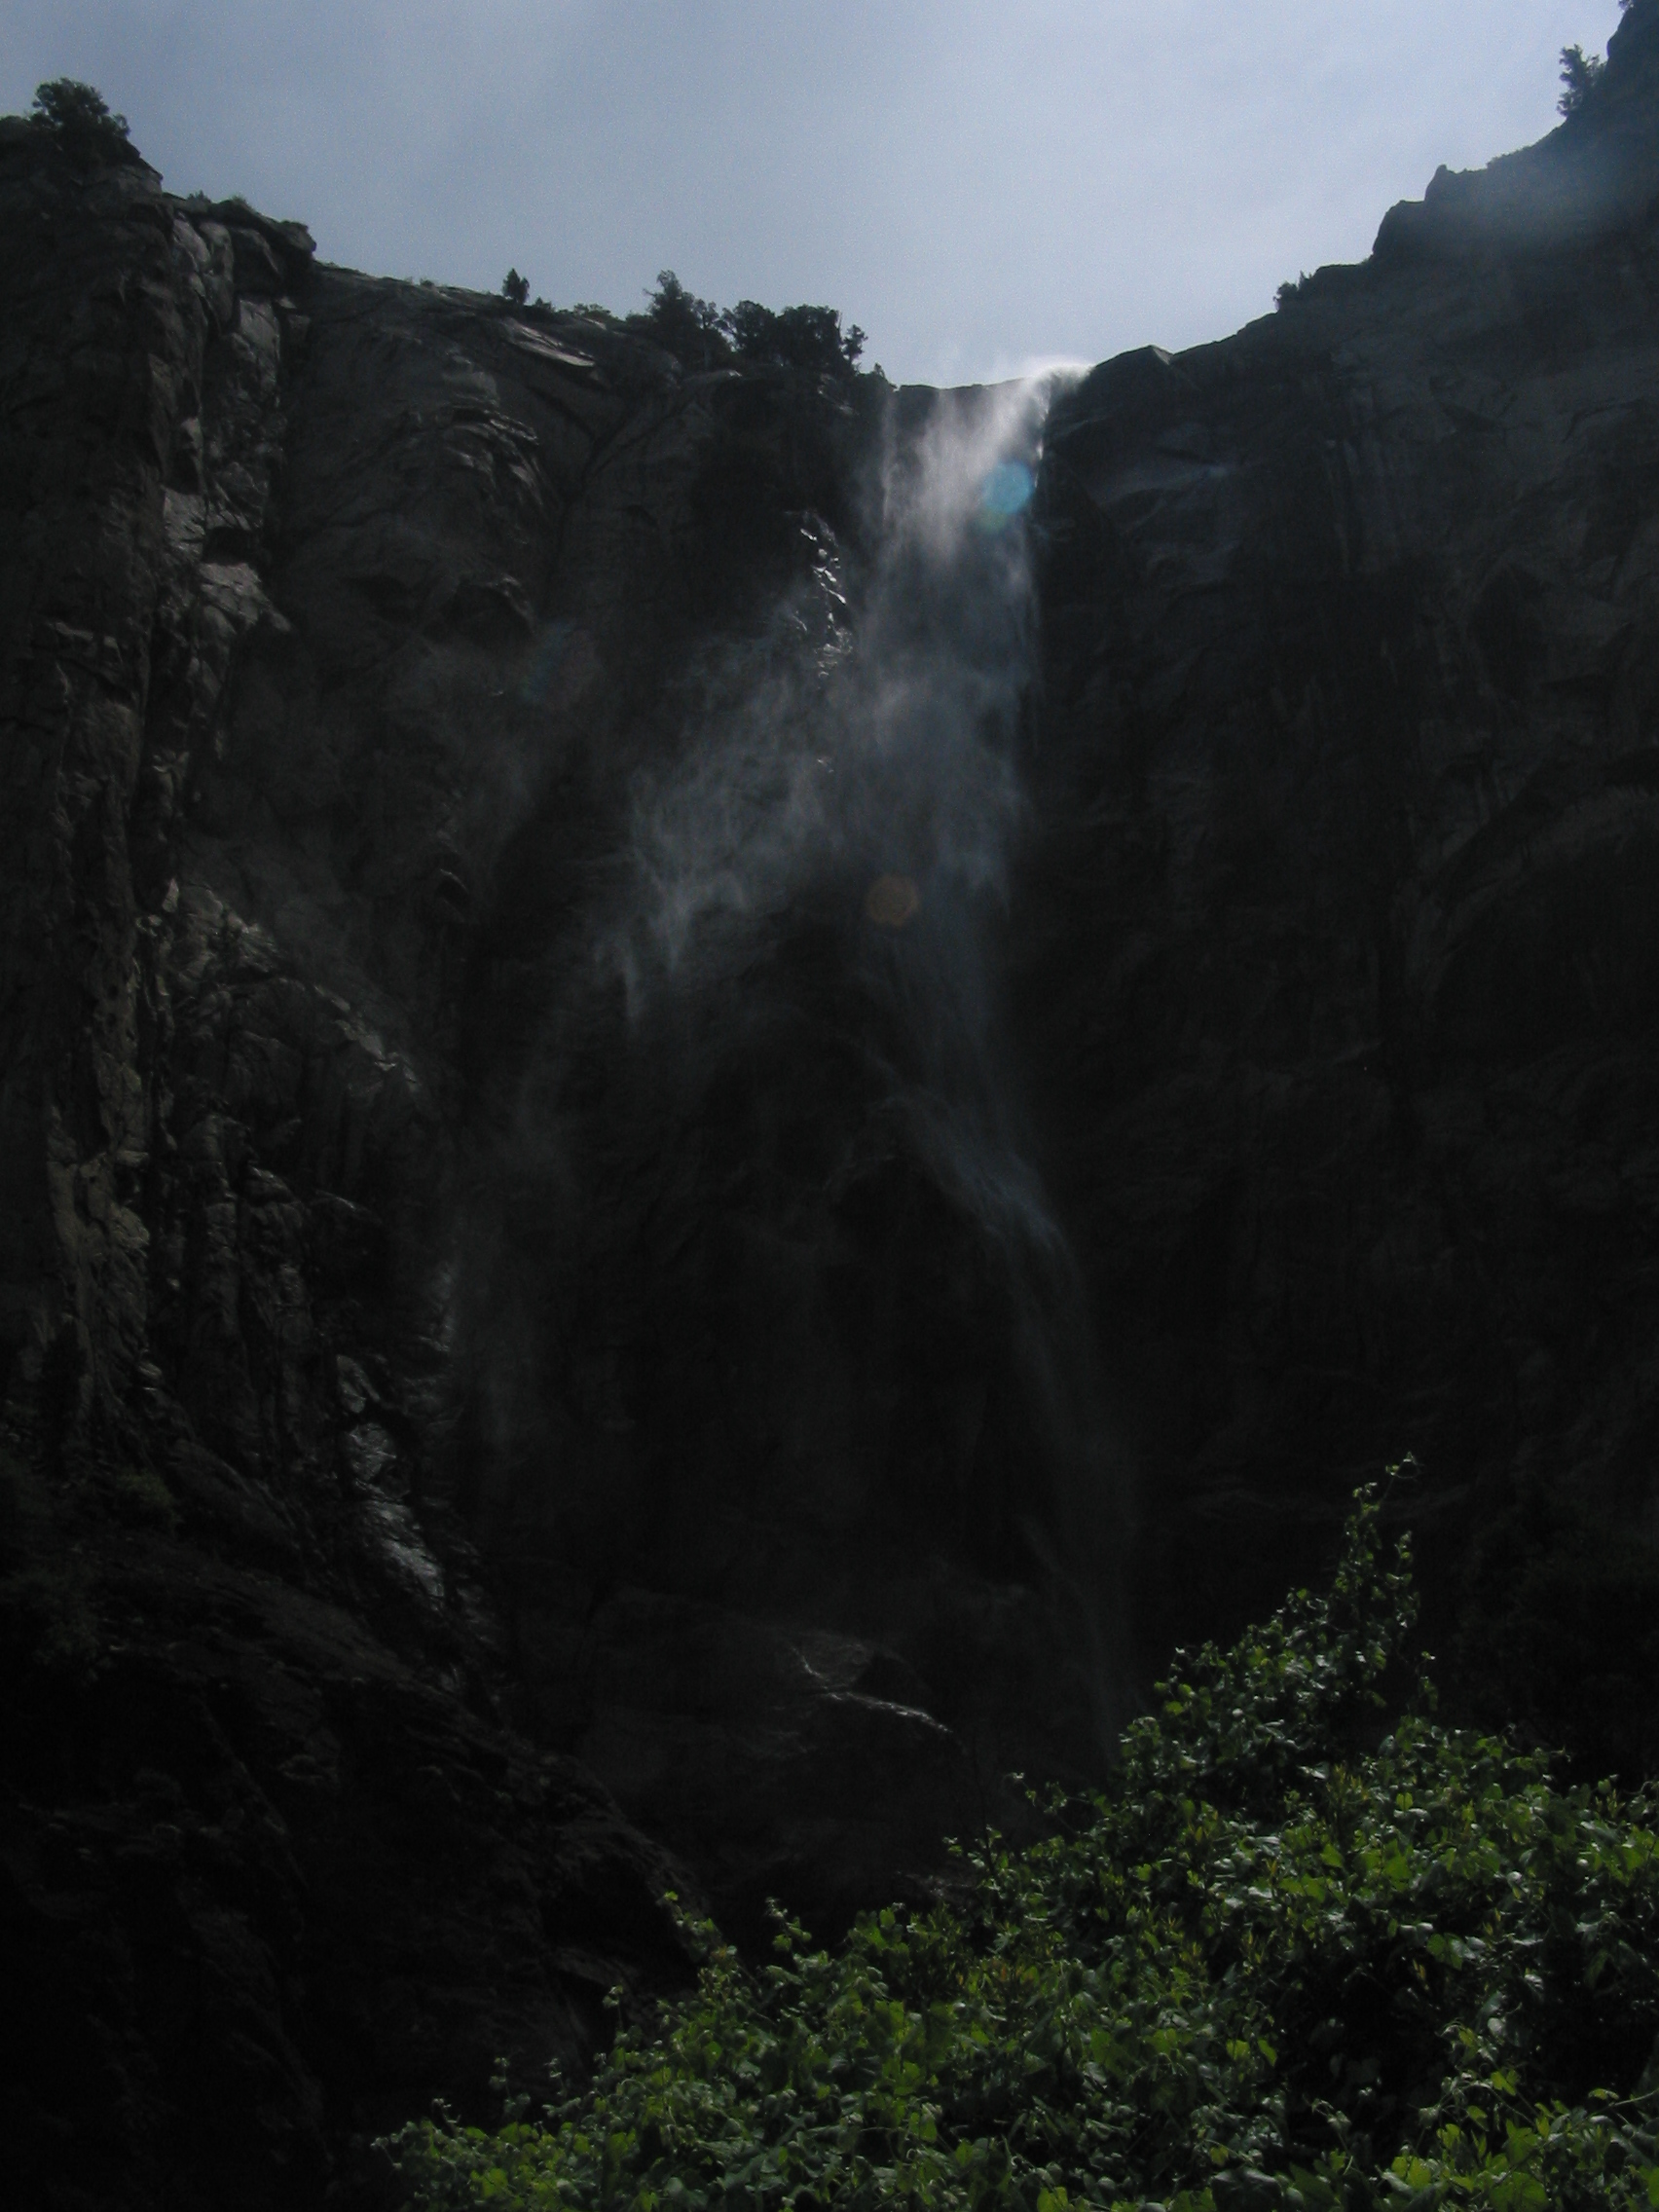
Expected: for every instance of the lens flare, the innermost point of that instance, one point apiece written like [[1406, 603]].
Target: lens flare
[[891, 901], [1004, 493]]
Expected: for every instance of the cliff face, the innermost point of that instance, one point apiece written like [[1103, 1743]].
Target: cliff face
[[593, 1296], [1344, 990], [342, 620], [273, 1868]]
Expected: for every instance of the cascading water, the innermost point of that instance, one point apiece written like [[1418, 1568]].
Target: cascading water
[[823, 875]]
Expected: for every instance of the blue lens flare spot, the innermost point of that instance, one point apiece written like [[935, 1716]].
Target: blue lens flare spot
[[1006, 493]]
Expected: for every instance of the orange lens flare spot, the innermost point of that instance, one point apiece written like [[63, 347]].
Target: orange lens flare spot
[[891, 901]]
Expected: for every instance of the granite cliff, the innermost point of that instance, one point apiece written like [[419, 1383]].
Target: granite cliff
[[1337, 954], [602, 1292]]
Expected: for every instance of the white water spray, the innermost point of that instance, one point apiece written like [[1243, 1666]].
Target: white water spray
[[859, 763]]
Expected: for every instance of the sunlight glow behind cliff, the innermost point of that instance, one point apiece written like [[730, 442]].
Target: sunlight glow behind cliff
[[981, 187]]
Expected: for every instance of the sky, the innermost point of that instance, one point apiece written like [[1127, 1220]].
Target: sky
[[984, 185]]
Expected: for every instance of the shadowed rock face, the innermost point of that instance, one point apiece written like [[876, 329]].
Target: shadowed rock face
[[275, 1870], [1338, 958], [641, 1086], [341, 622]]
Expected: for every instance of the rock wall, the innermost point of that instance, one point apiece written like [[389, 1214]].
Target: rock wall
[[1340, 947], [275, 1869], [483, 1442], [339, 619]]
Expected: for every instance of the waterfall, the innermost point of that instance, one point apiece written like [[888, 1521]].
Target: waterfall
[[849, 779]]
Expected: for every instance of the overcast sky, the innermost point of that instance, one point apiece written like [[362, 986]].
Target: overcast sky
[[980, 183]]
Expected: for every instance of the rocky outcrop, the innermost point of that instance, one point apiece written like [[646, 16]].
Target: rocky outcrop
[[1339, 950], [1597, 172]]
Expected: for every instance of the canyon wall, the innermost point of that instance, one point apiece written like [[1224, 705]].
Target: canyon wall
[[609, 1283], [1339, 931]]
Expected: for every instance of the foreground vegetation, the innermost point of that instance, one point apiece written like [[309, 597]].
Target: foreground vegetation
[[1289, 1961]]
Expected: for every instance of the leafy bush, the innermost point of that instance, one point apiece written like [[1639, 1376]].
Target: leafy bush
[[79, 118], [142, 1501], [1580, 74], [795, 338], [684, 325], [1282, 1964], [702, 335]]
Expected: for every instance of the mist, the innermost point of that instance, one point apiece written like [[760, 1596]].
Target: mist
[[772, 1125]]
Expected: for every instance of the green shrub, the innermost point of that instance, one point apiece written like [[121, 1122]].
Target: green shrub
[[795, 338], [700, 336], [1580, 74], [1286, 1961], [142, 1501], [79, 118], [684, 325]]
